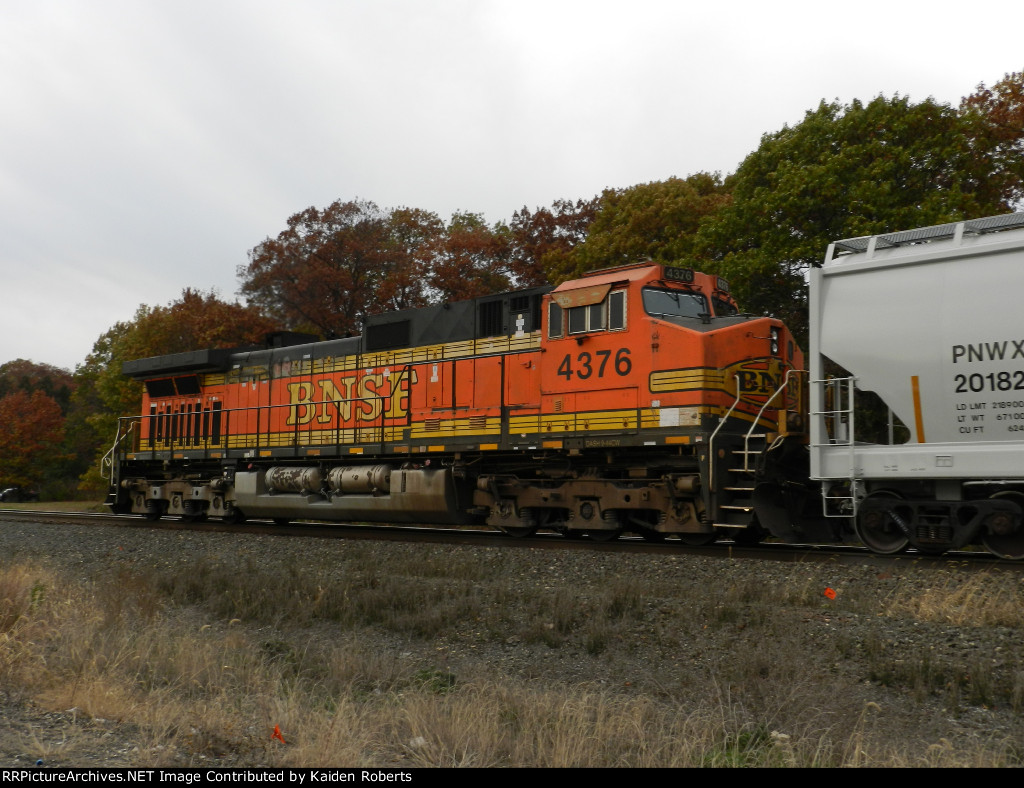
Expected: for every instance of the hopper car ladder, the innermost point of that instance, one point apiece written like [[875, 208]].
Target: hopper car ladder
[[839, 423]]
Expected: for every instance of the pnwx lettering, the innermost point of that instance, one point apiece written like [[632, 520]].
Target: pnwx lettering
[[989, 351]]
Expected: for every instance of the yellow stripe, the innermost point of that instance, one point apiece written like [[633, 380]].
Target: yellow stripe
[[918, 416]]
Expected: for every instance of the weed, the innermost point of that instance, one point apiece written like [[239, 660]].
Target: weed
[[437, 682]]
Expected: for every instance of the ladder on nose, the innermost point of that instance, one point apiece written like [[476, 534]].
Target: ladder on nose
[[745, 465]]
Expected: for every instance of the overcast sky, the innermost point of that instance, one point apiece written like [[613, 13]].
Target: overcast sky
[[146, 146]]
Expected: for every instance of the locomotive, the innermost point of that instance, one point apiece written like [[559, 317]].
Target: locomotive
[[637, 398]]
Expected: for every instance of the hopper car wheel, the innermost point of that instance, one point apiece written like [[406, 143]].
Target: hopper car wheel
[[878, 531], [1009, 541]]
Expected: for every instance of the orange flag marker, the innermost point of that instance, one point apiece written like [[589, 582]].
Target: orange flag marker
[[830, 593]]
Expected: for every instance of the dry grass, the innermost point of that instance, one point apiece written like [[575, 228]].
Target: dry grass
[[203, 663], [963, 598]]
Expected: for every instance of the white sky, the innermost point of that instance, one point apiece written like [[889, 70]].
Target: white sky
[[145, 147]]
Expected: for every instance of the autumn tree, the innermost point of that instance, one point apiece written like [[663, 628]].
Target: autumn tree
[[470, 259], [845, 171], [195, 321], [543, 239], [37, 450], [31, 438], [997, 118], [332, 267], [28, 376]]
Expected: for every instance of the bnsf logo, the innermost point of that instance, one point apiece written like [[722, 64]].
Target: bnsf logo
[[757, 381], [363, 397]]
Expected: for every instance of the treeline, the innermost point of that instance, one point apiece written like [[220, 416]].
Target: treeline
[[845, 170]]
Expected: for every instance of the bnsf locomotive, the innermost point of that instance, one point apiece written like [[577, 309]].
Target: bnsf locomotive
[[636, 398]]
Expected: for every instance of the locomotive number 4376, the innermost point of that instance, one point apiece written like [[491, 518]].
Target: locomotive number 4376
[[589, 364]]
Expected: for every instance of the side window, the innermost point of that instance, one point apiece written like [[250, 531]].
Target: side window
[[555, 328], [586, 318], [609, 315], [578, 319], [617, 310]]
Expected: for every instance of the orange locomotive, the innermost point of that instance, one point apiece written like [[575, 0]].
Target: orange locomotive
[[635, 398]]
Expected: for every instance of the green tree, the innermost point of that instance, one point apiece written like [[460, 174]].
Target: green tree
[[845, 171], [649, 221]]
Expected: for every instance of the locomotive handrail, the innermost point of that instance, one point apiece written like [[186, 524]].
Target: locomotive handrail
[[107, 461], [368, 433], [760, 413], [714, 434]]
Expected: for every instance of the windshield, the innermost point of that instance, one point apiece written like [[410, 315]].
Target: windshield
[[674, 303]]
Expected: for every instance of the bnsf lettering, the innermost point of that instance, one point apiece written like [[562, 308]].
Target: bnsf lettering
[[372, 395], [757, 382], [989, 351]]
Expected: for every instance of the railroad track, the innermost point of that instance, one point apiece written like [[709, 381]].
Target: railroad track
[[843, 554]]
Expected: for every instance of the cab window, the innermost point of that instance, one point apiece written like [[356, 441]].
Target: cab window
[[724, 308], [674, 303]]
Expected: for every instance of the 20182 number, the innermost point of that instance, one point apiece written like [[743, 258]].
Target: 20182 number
[[1002, 381], [622, 364]]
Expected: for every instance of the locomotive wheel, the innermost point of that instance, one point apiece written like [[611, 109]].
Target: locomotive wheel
[[748, 536], [1003, 537], [520, 533], [698, 540], [879, 533]]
